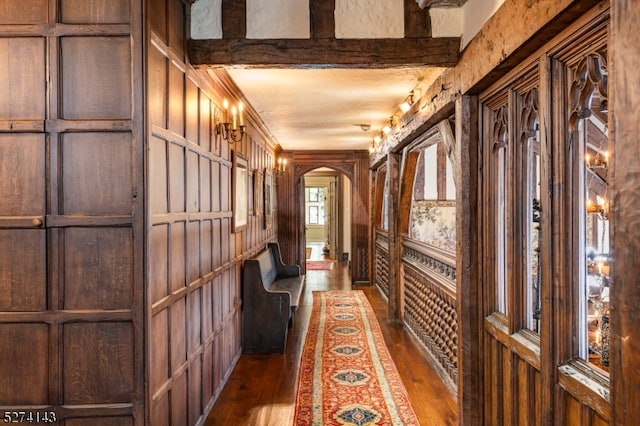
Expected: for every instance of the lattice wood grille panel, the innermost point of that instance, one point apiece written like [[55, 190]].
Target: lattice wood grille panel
[[430, 312], [382, 265]]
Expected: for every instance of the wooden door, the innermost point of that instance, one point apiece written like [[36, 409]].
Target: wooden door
[[71, 330]]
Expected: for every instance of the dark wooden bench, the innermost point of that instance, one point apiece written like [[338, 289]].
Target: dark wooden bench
[[271, 293]]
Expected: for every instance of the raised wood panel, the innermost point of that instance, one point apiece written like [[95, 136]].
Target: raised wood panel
[[176, 175], [205, 120], [158, 195], [24, 363], [21, 98], [158, 17], [23, 12], [95, 176], [23, 279], [178, 338], [193, 251], [192, 112], [160, 411], [158, 264], [193, 182], [96, 78], [206, 246], [225, 188], [205, 184], [194, 330], [90, 279], [177, 28], [195, 406], [159, 356], [99, 363], [22, 187], [573, 411], [157, 87], [179, 413], [208, 379], [95, 11], [176, 91], [177, 247]]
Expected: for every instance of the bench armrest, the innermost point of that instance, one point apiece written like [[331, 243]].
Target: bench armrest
[[283, 269]]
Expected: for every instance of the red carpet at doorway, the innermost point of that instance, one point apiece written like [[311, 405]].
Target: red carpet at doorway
[[319, 264], [347, 376]]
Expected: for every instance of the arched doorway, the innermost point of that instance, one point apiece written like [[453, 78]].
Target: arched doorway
[[327, 213], [354, 166]]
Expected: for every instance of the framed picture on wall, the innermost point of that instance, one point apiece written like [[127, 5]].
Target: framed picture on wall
[[268, 197], [258, 192], [240, 191]]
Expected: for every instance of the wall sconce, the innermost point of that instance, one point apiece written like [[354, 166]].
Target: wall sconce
[[599, 207], [232, 130], [598, 161], [280, 166]]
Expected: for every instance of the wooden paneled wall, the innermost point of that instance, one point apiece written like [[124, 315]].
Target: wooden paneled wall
[[119, 273], [194, 258], [71, 212]]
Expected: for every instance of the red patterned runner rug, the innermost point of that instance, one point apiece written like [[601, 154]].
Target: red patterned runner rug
[[347, 376]]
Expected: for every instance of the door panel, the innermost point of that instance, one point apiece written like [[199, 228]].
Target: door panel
[[22, 172]]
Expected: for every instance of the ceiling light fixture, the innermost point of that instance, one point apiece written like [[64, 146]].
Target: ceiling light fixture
[[387, 128], [408, 102]]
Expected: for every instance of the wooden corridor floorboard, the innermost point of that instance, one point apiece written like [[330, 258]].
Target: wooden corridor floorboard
[[261, 390]]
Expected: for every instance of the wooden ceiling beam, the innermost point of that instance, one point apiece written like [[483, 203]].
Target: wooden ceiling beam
[[323, 21], [326, 52], [417, 22], [234, 19]]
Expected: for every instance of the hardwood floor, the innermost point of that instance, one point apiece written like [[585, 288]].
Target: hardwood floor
[[262, 388]]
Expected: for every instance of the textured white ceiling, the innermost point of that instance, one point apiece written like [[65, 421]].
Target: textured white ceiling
[[323, 108]]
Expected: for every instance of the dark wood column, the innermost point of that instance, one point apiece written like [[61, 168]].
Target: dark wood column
[[625, 230], [470, 402], [395, 244]]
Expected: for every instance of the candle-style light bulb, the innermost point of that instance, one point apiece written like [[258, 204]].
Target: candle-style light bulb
[[241, 113], [225, 107], [234, 114]]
